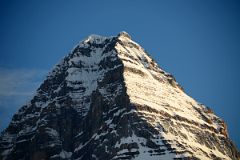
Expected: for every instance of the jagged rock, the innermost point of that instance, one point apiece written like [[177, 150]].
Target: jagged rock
[[108, 99]]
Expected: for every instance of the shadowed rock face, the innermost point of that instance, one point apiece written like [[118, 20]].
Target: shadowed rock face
[[108, 99]]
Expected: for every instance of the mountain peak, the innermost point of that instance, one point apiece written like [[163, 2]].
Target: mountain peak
[[108, 99], [124, 34], [97, 39]]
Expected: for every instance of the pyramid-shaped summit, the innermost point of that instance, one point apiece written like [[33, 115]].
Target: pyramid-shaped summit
[[108, 99]]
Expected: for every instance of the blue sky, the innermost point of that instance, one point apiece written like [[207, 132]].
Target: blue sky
[[197, 41]]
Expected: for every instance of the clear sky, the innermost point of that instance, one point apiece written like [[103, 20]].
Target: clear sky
[[198, 41]]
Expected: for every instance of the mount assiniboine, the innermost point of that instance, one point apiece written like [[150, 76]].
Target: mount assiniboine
[[107, 99]]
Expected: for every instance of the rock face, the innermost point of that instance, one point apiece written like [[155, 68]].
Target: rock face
[[108, 99]]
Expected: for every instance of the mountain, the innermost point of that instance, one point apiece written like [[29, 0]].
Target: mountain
[[108, 99]]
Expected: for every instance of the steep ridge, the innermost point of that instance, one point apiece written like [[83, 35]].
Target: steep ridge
[[107, 99]]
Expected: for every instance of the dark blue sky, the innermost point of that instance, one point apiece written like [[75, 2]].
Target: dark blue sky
[[197, 41]]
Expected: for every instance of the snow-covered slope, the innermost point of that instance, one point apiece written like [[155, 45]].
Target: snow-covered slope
[[108, 99]]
